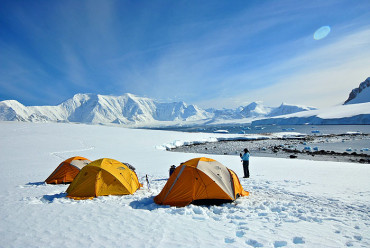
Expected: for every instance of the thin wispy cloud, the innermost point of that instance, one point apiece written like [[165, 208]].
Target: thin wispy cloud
[[209, 53], [320, 77]]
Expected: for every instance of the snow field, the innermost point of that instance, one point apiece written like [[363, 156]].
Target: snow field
[[293, 203]]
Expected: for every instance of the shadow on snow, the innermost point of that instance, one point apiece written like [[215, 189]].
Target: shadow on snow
[[35, 183], [162, 179], [51, 198], [146, 203]]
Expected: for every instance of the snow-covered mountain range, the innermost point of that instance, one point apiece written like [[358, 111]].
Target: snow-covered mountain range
[[93, 108], [256, 110], [133, 110]]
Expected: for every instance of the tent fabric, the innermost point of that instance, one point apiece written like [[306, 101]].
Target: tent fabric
[[218, 173], [200, 180], [67, 170], [103, 177]]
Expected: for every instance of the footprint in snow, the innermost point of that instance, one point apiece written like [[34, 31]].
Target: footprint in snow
[[358, 237], [229, 240], [349, 244], [239, 234], [243, 227], [253, 243], [280, 244], [298, 240]]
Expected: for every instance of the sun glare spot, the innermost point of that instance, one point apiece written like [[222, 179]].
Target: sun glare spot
[[321, 33]]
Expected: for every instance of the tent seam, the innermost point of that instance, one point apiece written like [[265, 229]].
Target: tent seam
[[177, 177]]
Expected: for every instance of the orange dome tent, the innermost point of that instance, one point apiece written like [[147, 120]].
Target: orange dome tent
[[200, 181], [103, 177], [67, 170]]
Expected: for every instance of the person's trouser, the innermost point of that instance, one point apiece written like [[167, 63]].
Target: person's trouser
[[246, 168]]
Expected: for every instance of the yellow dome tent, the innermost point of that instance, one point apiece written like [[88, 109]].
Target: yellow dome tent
[[67, 170], [200, 181], [103, 177]]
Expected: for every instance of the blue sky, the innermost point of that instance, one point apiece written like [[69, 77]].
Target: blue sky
[[209, 53]]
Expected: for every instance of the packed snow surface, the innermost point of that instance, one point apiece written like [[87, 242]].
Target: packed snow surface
[[292, 203]]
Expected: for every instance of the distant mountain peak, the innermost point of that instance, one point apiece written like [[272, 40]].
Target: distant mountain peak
[[255, 109], [286, 108], [360, 94]]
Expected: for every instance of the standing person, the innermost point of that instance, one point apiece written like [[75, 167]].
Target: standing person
[[172, 169], [245, 159]]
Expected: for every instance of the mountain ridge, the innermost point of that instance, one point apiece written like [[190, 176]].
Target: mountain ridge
[[361, 94], [130, 109]]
